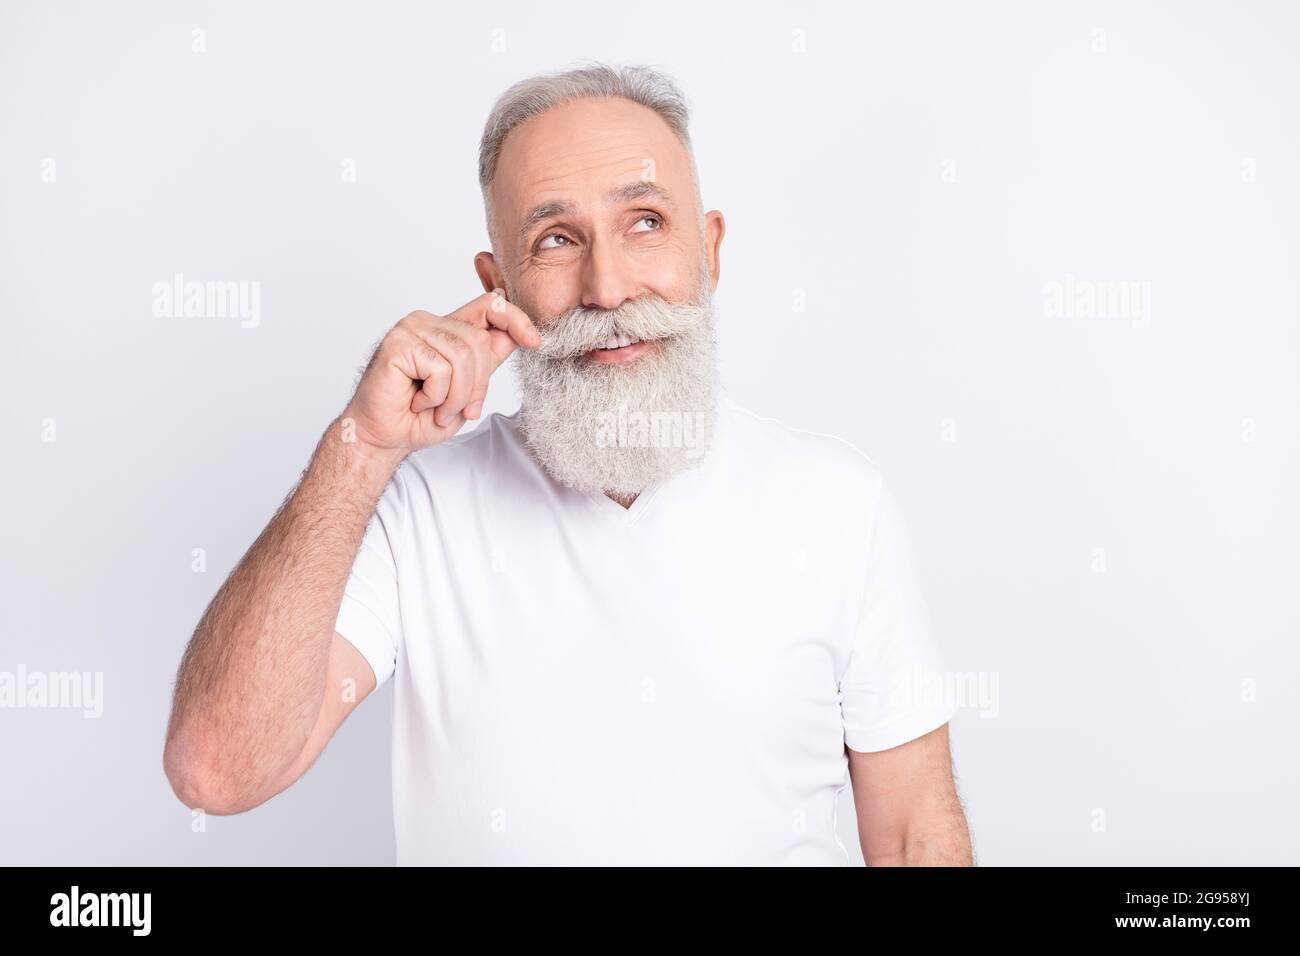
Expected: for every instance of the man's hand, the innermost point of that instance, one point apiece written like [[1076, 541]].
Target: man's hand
[[430, 373]]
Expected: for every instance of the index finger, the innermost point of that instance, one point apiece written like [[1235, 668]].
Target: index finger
[[509, 318]]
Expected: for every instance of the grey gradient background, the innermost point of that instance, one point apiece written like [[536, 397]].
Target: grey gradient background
[[1120, 694]]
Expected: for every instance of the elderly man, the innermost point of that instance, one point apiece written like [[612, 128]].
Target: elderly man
[[633, 622]]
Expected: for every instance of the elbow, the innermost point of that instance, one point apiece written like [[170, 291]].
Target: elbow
[[197, 784]]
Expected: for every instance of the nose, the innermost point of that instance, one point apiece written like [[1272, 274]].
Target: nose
[[607, 281]]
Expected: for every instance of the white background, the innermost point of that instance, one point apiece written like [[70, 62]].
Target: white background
[[1125, 697]]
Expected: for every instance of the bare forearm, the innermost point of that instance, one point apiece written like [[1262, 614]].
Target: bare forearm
[[943, 841], [252, 680]]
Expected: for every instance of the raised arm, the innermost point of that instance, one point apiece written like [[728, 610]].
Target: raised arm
[[261, 687], [264, 681]]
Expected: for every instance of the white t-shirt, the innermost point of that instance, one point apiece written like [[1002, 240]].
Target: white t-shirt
[[674, 683]]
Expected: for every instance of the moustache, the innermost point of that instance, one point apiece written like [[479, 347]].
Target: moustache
[[578, 331]]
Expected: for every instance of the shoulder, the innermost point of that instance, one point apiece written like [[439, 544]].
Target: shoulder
[[468, 456], [813, 458]]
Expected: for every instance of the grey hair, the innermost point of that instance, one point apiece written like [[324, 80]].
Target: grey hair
[[535, 95]]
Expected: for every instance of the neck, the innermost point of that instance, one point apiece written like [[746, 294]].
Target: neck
[[624, 500]]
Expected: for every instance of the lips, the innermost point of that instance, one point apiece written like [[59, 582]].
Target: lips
[[619, 349]]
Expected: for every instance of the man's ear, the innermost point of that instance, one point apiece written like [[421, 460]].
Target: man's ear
[[715, 227], [485, 264]]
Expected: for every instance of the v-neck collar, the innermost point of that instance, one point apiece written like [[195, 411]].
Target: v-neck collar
[[632, 513]]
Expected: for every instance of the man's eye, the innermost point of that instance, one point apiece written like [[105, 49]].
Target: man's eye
[[555, 235], [655, 219]]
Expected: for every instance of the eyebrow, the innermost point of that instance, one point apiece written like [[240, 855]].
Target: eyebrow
[[628, 192]]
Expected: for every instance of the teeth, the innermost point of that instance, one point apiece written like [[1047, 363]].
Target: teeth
[[618, 342]]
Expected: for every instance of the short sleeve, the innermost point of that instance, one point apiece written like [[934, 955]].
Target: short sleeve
[[893, 688], [370, 616]]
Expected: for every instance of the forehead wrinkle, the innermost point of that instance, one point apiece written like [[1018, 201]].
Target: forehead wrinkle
[[631, 145], [585, 161]]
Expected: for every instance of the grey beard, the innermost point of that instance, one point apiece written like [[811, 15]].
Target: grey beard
[[619, 428]]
